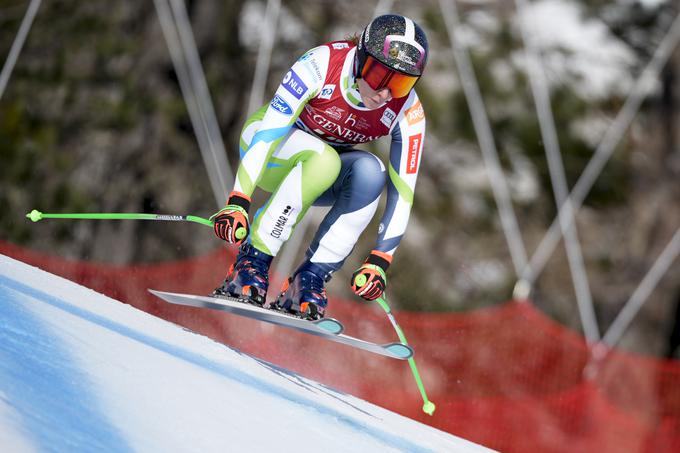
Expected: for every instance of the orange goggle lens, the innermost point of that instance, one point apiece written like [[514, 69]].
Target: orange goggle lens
[[379, 76]]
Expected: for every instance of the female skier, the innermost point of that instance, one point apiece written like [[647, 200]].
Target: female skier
[[301, 148]]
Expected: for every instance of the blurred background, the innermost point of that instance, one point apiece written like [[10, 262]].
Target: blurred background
[[93, 120], [94, 117]]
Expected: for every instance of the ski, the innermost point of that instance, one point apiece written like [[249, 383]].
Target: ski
[[328, 328]]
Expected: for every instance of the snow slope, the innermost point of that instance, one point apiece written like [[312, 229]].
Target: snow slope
[[82, 372]]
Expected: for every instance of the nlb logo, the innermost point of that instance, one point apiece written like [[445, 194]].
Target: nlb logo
[[415, 114], [281, 106], [294, 84], [414, 143]]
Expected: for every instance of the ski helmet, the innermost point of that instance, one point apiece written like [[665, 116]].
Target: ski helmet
[[392, 52]]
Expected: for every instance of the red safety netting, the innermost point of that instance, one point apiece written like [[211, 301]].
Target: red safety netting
[[507, 377]]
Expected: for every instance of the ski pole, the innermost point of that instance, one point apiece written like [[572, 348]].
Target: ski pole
[[428, 406], [36, 216]]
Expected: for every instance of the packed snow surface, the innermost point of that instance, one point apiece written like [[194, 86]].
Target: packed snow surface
[[82, 372]]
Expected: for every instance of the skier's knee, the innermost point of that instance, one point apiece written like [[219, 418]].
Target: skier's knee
[[368, 173], [324, 167], [331, 163]]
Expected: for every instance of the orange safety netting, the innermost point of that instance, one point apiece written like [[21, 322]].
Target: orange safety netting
[[507, 377]]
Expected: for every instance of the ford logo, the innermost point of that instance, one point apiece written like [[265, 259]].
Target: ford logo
[[281, 106]]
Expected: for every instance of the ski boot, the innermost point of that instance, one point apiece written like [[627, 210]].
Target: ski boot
[[303, 295], [248, 278]]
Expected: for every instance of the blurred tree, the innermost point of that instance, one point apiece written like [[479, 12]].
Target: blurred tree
[[93, 120]]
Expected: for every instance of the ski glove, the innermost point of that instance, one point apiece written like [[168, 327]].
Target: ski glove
[[231, 222], [369, 281]]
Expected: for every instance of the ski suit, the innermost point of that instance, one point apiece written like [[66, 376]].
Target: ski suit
[[301, 148]]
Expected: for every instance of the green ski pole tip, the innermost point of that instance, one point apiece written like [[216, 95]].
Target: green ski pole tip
[[429, 408], [35, 215], [360, 280], [241, 233]]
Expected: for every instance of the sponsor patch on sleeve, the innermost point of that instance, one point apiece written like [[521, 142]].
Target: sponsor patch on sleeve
[[414, 144], [294, 84], [415, 114], [281, 106], [340, 45]]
